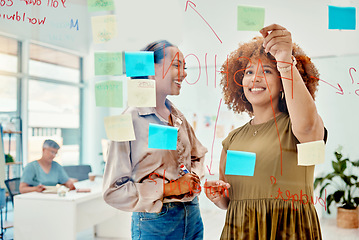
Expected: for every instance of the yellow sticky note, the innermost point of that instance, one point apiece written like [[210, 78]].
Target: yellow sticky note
[[119, 128], [104, 28], [311, 153], [141, 93]]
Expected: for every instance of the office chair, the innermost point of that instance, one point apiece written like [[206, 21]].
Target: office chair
[[3, 224], [80, 172], [13, 185]]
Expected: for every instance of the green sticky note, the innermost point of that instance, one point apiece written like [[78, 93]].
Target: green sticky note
[[109, 94], [250, 18], [108, 63], [100, 5]]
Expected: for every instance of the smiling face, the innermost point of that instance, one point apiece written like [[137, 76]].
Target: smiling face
[[262, 80], [170, 72]]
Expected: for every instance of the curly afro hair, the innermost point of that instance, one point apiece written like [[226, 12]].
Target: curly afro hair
[[233, 69]]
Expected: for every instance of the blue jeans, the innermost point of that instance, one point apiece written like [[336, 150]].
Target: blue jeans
[[176, 221]]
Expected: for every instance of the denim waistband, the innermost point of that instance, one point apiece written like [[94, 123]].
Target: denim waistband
[[193, 202]]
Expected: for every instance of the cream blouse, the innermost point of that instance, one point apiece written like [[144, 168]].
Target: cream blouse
[[135, 175]]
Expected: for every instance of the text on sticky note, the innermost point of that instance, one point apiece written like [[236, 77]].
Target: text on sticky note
[[100, 5], [119, 128], [104, 28], [141, 93], [107, 63], [250, 18], [109, 94]]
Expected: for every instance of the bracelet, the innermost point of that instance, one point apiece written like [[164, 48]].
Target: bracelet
[[287, 69]]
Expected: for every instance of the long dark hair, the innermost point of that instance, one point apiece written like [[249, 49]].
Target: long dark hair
[[157, 49]]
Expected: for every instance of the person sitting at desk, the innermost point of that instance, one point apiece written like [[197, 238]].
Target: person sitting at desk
[[45, 171]]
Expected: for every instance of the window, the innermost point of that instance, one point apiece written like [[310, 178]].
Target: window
[[8, 83], [54, 103], [53, 64], [8, 94], [8, 55], [9, 109]]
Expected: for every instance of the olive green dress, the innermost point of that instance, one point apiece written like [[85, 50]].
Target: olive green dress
[[262, 207]]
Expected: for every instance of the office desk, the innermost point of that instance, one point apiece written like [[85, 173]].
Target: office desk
[[44, 216]]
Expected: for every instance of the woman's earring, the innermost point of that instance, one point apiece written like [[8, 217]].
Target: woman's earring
[[282, 95]]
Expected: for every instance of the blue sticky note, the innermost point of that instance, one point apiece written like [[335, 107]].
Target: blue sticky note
[[139, 64], [162, 137], [240, 163], [342, 18]]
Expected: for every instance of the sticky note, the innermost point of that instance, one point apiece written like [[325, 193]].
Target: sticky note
[[109, 94], [162, 137], [119, 128], [141, 93], [139, 64], [250, 18], [107, 63], [311, 153], [104, 28], [240, 163], [100, 5], [342, 18]]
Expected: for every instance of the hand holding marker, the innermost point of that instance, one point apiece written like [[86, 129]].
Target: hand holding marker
[[184, 169], [219, 187], [194, 183]]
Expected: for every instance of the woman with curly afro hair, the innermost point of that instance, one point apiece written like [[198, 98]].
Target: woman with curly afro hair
[[272, 80]]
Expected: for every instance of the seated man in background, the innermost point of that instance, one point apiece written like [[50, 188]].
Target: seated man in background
[[45, 171]]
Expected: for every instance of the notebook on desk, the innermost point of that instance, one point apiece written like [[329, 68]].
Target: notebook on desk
[[50, 189]]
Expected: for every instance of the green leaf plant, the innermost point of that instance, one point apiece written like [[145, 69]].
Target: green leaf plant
[[9, 158], [342, 180]]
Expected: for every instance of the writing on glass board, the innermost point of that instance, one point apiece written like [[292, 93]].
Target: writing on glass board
[[227, 74], [49, 3], [22, 17], [74, 24], [351, 76], [214, 137], [193, 5], [301, 198], [197, 189], [339, 88], [7, 3]]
